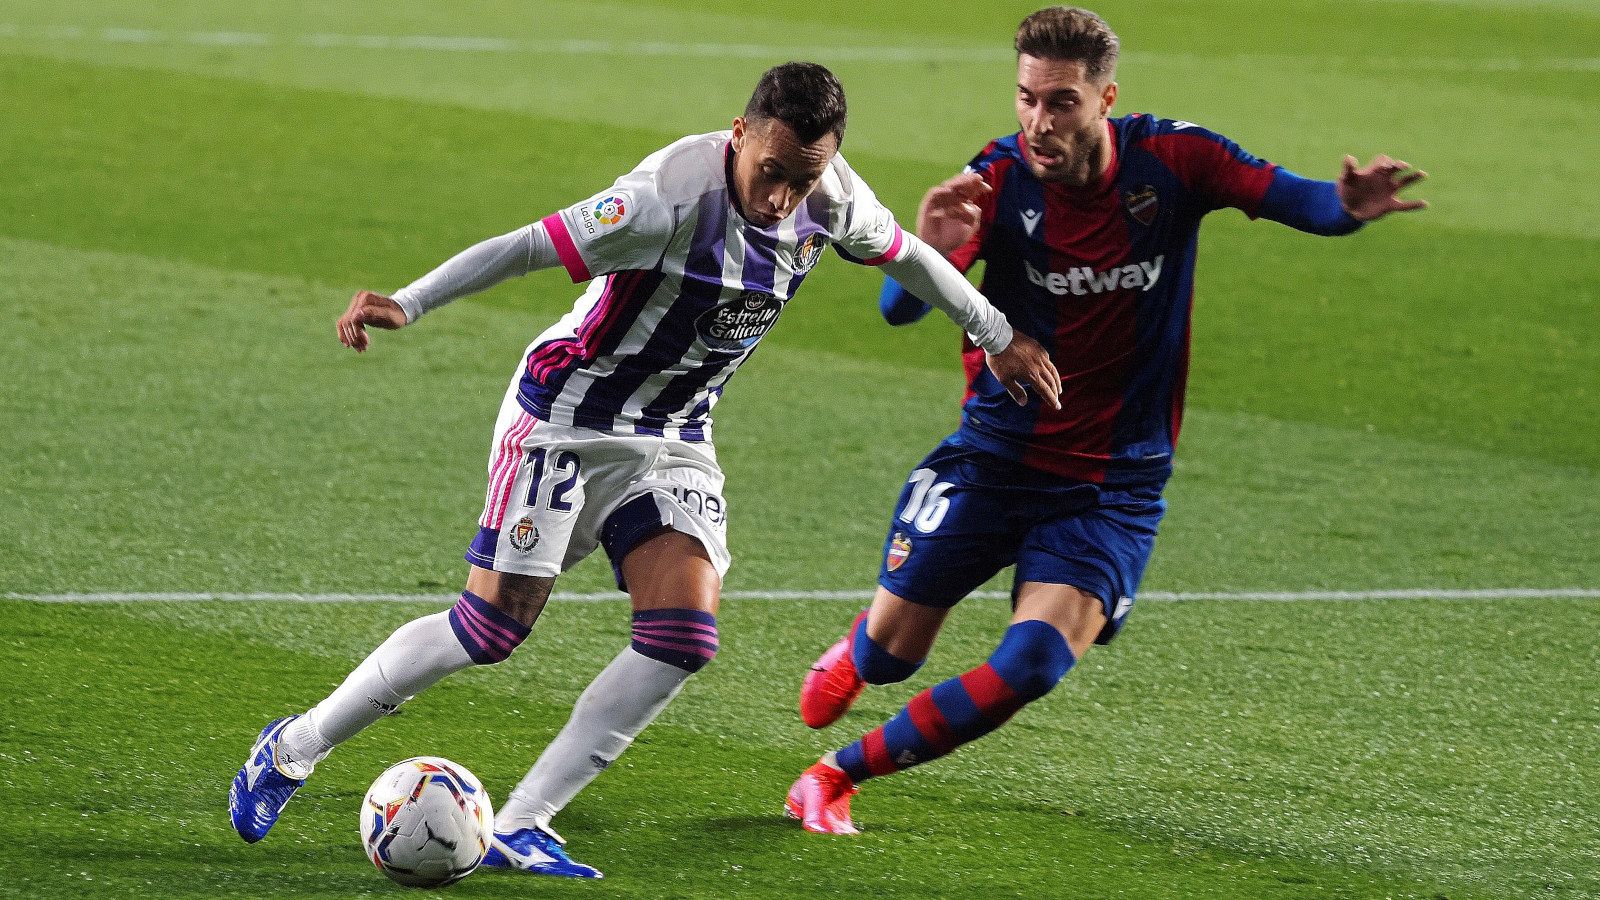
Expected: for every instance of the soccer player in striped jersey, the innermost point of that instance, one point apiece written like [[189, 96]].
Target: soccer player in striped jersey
[[1087, 227], [604, 435]]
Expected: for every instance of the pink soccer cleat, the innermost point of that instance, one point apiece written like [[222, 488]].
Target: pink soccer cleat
[[820, 799], [831, 687]]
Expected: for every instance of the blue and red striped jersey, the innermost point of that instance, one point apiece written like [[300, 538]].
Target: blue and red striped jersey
[[1103, 277]]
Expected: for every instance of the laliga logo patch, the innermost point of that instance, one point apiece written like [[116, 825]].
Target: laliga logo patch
[[604, 214], [1142, 204], [899, 549], [737, 324], [611, 210], [808, 254], [524, 536]]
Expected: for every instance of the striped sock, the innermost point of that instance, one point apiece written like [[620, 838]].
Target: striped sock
[[487, 634], [1029, 661], [686, 638]]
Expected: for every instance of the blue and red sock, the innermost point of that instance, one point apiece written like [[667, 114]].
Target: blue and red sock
[[1031, 659], [874, 664]]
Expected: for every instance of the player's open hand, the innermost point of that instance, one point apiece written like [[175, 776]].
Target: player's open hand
[[368, 308], [1024, 364], [949, 215], [1371, 192]]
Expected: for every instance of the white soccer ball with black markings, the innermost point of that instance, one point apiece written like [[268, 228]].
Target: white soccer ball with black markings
[[426, 822]]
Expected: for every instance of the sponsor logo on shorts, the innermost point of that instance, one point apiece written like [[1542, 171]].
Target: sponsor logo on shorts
[[1142, 204], [704, 504], [739, 323], [899, 549], [1123, 605], [524, 536], [808, 254]]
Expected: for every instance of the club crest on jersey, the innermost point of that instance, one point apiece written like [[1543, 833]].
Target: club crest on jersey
[[737, 324], [809, 253], [524, 536], [899, 550], [605, 214], [1142, 204]]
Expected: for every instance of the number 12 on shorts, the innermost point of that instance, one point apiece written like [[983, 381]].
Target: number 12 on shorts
[[927, 505], [563, 463]]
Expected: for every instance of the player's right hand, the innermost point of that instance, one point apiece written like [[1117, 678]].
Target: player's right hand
[[950, 212], [1024, 364], [368, 308]]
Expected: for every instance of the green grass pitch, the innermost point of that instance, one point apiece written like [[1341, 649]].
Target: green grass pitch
[[189, 192]]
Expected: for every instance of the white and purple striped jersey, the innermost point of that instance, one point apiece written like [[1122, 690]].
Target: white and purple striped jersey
[[682, 289]]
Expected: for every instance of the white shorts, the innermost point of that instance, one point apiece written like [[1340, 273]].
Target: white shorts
[[556, 492]]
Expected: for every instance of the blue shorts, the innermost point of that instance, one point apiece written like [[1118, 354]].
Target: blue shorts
[[965, 514]]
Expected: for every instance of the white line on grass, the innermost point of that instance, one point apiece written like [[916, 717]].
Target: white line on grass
[[885, 54], [856, 595]]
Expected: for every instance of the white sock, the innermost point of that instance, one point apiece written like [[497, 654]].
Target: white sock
[[418, 654], [616, 706]]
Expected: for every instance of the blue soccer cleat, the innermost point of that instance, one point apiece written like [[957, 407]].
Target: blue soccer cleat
[[265, 784], [535, 850]]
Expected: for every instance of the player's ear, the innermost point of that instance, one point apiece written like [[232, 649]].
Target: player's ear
[[1108, 98], [739, 128]]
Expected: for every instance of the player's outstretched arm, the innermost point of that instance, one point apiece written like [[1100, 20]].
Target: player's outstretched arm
[[1016, 359], [1372, 191], [477, 268], [1332, 208]]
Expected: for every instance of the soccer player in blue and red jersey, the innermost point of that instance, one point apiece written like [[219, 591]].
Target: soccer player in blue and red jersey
[[1087, 226]]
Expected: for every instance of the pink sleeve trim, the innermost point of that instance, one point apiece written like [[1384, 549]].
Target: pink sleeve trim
[[889, 254], [565, 248]]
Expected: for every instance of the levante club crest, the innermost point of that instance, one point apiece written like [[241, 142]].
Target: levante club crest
[[1142, 204], [899, 549]]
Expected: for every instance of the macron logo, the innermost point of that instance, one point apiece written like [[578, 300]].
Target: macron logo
[[1030, 220], [1082, 280]]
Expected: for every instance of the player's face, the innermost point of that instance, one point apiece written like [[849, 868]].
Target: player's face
[[1062, 114], [773, 172]]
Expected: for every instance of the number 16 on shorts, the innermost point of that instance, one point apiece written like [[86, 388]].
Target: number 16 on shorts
[[927, 505]]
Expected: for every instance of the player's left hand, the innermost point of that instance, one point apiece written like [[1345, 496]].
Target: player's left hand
[[1024, 364], [368, 308], [1371, 192]]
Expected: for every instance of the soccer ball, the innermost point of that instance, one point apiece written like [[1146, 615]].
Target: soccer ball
[[426, 822]]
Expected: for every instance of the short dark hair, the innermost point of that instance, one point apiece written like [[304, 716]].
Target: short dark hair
[[1071, 34], [804, 96]]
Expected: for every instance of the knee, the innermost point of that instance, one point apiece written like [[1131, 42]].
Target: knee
[[873, 663], [686, 638], [1032, 658]]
